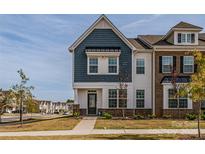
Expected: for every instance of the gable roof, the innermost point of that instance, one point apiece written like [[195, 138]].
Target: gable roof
[[183, 24], [138, 43], [94, 25]]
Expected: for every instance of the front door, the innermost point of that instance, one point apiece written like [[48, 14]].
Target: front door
[[92, 103]]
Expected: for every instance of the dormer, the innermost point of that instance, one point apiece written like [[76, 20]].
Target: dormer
[[183, 34]]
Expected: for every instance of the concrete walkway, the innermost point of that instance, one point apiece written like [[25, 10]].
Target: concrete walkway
[[101, 131], [86, 124]]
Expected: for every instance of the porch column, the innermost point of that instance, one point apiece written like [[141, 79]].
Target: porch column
[[76, 96]]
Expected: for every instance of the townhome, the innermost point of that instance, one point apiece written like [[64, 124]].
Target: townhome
[[126, 76]]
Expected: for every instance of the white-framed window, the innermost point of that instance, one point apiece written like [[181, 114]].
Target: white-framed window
[[188, 66], [140, 98], [167, 64], [173, 100], [112, 65], [112, 98], [117, 98], [93, 65], [184, 38], [140, 66]]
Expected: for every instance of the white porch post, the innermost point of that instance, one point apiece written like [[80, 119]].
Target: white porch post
[[76, 96]]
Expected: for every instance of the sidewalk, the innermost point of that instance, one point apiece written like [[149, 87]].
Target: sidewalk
[[86, 127], [101, 131]]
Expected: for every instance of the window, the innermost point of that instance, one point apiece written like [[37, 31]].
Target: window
[[112, 98], [112, 65], [186, 38], [173, 101], [183, 102], [140, 66], [117, 98], [188, 66], [93, 65], [140, 98], [167, 63], [123, 98]]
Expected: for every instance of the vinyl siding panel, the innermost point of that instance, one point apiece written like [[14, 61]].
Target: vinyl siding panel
[[101, 38]]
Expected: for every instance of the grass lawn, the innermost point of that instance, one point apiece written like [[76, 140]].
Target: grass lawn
[[64, 123], [146, 124], [105, 137]]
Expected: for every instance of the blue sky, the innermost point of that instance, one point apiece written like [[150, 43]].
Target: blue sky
[[38, 44]]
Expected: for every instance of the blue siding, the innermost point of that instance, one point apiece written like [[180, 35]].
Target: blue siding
[[102, 38]]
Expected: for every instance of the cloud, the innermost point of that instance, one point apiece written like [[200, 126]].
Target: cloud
[[140, 22]]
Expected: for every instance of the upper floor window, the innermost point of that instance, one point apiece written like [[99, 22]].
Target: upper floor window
[[186, 38], [140, 66], [93, 65], [112, 65], [167, 64], [188, 66]]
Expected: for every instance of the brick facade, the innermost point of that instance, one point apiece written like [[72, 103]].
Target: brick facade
[[159, 87], [127, 112]]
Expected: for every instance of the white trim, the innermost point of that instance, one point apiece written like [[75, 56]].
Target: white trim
[[153, 83], [103, 54], [93, 26]]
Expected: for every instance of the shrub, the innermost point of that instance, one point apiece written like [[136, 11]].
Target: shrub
[[107, 115], [151, 116], [191, 116], [138, 117], [203, 116], [76, 114], [166, 116]]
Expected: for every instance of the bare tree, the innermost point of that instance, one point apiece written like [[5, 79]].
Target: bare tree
[[22, 92]]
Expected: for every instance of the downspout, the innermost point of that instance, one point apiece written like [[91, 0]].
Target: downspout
[[153, 82]]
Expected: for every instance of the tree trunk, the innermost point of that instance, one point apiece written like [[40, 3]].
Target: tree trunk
[[199, 117], [0, 119], [21, 111]]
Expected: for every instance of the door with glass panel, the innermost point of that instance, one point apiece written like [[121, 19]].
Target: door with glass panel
[[92, 98]]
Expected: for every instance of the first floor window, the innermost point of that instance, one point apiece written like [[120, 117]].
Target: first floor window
[[167, 63], [117, 98], [173, 100], [112, 98], [112, 65], [93, 65], [140, 98]]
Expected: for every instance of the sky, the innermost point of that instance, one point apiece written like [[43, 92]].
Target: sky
[[38, 44]]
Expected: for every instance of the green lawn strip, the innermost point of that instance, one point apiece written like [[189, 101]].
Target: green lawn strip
[[105, 137], [146, 124]]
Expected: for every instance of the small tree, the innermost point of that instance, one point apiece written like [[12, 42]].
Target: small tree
[[6, 100], [123, 77], [196, 88], [22, 92]]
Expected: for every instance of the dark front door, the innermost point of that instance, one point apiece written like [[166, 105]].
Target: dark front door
[[92, 103]]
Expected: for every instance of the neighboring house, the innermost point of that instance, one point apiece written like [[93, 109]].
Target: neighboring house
[[49, 107], [119, 75]]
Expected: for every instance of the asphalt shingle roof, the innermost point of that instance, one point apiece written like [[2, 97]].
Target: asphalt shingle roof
[[186, 25]]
